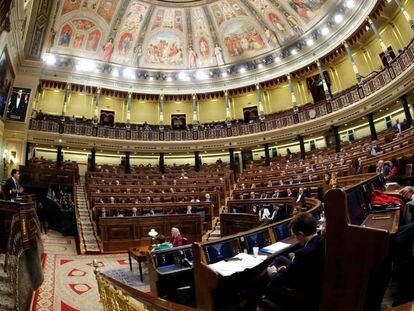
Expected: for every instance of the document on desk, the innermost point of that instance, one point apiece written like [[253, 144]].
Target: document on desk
[[274, 248], [238, 263]]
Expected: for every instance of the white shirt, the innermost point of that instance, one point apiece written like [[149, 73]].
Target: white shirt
[[18, 99]]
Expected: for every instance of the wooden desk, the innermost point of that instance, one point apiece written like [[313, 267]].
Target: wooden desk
[[216, 292], [140, 255], [167, 271], [388, 221], [120, 233]]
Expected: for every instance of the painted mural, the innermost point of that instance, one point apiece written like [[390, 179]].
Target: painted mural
[[203, 45], [127, 49], [168, 18], [138, 33], [242, 38], [164, 49], [79, 34]]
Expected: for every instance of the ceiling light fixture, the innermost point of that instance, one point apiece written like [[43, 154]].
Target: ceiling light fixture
[[201, 75], [242, 70], [325, 31], [49, 59], [310, 42], [224, 74], [293, 52], [183, 76], [128, 73], [115, 72], [86, 65], [338, 18], [350, 4]]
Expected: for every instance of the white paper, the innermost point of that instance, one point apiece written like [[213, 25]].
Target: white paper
[[226, 268], [277, 247]]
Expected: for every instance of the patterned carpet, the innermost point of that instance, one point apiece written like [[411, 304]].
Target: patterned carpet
[[69, 279]]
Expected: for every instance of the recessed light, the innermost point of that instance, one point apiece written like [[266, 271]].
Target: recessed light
[[325, 31], [201, 75], [49, 59], [350, 4], [242, 70], [115, 72], [293, 52], [128, 73], [86, 65], [310, 42], [224, 74], [183, 76], [338, 18], [278, 59]]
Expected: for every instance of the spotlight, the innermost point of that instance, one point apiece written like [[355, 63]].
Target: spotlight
[[338, 18], [260, 66], [86, 65], [183, 76], [169, 79], [115, 72], [128, 73], [278, 59], [293, 52], [325, 31], [350, 4], [201, 75], [310, 42], [224, 74], [242, 70], [49, 59]]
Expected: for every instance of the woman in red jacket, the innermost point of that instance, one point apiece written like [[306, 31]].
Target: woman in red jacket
[[393, 172], [177, 239]]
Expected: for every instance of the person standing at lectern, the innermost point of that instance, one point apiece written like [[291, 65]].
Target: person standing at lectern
[[12, 187]]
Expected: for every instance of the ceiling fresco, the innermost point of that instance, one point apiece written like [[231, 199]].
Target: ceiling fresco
[[182, 34]]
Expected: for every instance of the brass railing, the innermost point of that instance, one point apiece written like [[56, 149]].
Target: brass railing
[[116, 296]]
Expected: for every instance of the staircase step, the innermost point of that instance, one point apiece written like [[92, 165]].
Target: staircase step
[[87, 230]]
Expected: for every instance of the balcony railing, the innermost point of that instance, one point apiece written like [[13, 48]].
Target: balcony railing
[[116, 296], [275, 121]]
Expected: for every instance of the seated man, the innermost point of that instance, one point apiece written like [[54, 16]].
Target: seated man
[[161, 243], [294, 284]]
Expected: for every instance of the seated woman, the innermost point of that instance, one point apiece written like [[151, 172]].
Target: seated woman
[[177, 239]]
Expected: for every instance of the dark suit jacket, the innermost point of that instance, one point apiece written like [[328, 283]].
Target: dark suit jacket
[[18, 113], [301, 200], [304, 275], [8, 187]]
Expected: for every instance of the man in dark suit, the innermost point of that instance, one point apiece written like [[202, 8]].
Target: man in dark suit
[[300, 197], [18, 106], [292, 284], [11, 187], [296, 284]]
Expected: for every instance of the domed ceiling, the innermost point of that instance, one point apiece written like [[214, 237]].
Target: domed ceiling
[[180, 34], [221, 38]]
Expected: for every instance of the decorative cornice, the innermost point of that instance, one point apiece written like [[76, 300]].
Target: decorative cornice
[[377, 100]]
